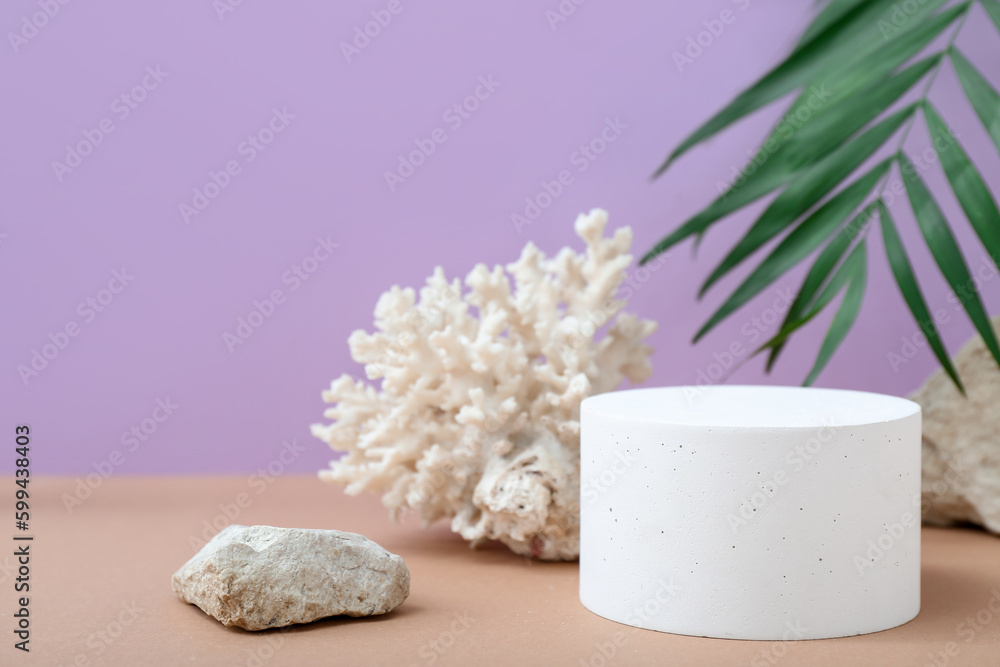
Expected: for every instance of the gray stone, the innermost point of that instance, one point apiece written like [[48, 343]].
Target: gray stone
[[259, 577], [961, 441]]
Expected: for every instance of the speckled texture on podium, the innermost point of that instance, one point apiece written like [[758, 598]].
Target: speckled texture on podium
[[751, 512]]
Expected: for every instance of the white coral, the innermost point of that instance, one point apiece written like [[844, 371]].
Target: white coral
[[477, 418]]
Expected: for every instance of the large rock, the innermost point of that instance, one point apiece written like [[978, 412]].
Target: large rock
[[259, 577], [961, 441]]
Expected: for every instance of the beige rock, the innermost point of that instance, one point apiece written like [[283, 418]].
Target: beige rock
[[961, 441], [259, 577]]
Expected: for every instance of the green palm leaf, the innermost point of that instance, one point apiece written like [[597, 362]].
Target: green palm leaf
[[847, 314], [772, 168], [769, 177], [804, 192], [968, 185], [819, 272], [946, 252], [992, 8], [894, 51], [853, 63], [983, 98], [833, 12], [829, 291], [832, 129], [903, 272], [825, 97], [800, 243], [838, 45]]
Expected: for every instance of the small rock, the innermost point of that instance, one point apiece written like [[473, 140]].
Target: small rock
[[259, 577], [961, 441]]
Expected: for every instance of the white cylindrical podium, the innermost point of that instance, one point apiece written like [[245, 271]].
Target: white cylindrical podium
[[751, 512]]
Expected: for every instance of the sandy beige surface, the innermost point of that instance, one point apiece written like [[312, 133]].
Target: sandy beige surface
[[100, 593]]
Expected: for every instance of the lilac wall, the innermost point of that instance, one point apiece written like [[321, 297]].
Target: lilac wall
[[197, 84]]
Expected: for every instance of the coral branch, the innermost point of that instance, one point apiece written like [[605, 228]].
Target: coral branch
[[477, 416]]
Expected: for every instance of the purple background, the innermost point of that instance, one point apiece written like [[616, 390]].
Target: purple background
[[162, 336]]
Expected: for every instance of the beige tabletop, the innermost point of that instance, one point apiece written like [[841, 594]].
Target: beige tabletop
[[100, 592]]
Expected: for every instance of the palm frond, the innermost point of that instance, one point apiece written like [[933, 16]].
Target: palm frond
[[851, 66]]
